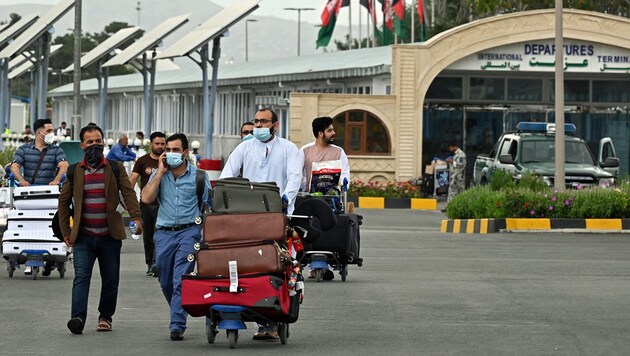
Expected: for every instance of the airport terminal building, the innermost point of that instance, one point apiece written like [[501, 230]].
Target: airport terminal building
[[397, 107]]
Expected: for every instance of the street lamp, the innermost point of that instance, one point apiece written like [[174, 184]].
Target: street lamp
[[299, 11], [246, 38]]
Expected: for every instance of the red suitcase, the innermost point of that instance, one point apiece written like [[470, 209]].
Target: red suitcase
[[218, 228], [259, 258], [265, 294]]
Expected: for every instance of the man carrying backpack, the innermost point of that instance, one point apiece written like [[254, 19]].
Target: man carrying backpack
[[98, 229], [176, 186]]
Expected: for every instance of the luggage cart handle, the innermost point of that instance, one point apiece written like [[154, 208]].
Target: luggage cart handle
[[344, 190]]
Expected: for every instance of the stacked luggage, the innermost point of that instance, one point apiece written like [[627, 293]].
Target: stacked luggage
[[337, 247], [29, 237], [244, 271]]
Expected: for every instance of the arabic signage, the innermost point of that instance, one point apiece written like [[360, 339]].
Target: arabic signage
[[539, 56]]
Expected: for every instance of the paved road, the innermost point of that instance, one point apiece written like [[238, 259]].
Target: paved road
[[419, 292]]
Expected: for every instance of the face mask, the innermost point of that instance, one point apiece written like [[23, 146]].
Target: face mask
[[174, 159], [94, 155], [262, 133], [49, 138], [248, 137]]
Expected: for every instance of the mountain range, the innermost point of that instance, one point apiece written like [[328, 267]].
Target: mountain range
[[268, 37]]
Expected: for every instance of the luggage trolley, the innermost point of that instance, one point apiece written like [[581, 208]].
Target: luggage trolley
[[29, 239], [337, 247]]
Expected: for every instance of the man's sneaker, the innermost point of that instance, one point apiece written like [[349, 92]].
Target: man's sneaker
[[177, 335], [28, 270], [154, 270], [149, 270], [75, 325], [328, 275]]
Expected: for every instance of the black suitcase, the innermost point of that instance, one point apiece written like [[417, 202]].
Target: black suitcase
[[344, 238], [239, 195]]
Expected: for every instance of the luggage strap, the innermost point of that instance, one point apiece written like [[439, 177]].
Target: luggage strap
[[39, 164]]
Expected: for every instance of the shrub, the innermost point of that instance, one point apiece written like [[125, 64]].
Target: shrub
[[501, 179], [359, 188], [523, 202]]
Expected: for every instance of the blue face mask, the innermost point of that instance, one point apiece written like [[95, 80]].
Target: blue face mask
[[262, 133], [248, 137], [174, 159]]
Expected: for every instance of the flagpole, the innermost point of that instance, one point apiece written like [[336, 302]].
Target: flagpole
[[413, 27], [360, 25], [349, 25]]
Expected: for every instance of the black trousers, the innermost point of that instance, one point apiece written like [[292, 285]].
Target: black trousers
[[149, 218]]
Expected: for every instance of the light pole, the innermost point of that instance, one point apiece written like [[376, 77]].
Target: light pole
[[299, 11], [247, 38]]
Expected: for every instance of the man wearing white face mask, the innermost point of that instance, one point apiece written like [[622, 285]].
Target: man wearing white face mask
[[268, 158], [43, 162]]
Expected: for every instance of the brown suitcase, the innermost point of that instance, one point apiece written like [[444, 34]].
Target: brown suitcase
[[235, 228], [259, 258]]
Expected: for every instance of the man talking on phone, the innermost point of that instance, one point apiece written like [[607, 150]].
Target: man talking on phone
[[174, 186]]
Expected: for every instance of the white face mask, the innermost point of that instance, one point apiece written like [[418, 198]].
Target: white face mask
[[49, 139]]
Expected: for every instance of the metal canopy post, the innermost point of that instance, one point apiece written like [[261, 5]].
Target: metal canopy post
[[5, 110], [148, 122], [205, 104], [216, 54], [43, 78], [32, 105], [101, 78]]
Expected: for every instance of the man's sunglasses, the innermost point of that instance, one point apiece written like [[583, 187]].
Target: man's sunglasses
[[247, 132], [262, 121]]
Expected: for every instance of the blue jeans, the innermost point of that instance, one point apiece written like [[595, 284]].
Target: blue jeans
[[86, 250], [171, 250]]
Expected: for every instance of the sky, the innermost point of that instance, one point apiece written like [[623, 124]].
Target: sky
[[267, 8]]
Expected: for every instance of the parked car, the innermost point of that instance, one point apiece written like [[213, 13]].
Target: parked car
[[532, 148]]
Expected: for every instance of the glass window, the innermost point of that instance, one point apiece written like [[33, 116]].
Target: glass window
[[445, 88], [611, 91], [355, 128], [487, 88], [574, 91], [525, 89]]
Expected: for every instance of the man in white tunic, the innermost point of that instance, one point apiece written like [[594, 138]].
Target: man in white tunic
[[268, 158]]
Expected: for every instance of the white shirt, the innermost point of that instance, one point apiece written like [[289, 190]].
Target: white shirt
[[282, 164]]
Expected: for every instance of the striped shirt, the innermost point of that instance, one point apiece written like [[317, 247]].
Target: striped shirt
[[94, 214], [27, 157]]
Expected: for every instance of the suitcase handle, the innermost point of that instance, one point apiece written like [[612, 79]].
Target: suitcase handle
[[225, 199], [227, 289]]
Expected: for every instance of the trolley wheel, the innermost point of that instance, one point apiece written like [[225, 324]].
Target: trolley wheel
[[10, 269], [283, 331], [211, 333], [344, 272], [232, 337], [62, 270], [318, 274], [35, 272]]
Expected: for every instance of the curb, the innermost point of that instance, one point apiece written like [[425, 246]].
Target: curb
[[393, 203], [487, 226]]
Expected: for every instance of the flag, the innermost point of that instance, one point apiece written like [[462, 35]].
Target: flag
[[398, 8], [423, 36], [388, 23], [329, 18]]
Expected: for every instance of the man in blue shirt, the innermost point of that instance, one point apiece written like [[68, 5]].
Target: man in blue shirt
[[120, 151], [174, 186]]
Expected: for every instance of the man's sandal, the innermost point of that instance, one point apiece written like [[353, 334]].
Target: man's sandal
[[104, 325]]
